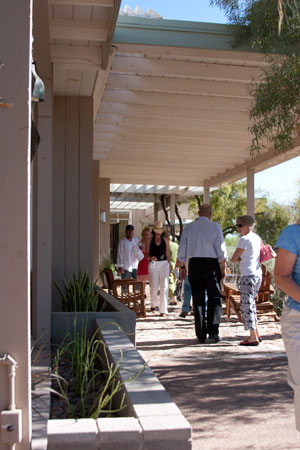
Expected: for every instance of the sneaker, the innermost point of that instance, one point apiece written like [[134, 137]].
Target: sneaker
[[214, 338], [183, 314]]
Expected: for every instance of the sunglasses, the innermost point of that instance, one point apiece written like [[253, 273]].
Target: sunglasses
[[239, 225]]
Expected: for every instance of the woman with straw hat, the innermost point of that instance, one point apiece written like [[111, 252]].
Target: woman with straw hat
[[158, 252]]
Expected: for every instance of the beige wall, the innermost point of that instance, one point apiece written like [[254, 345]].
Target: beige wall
[[104, 195], [42, 182], [15, 29], [72, 225]]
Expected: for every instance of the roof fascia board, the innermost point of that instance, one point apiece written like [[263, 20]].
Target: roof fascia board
[[176, 33]]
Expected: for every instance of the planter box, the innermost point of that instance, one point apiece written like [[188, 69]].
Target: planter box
[[124, 317], [153, 421]]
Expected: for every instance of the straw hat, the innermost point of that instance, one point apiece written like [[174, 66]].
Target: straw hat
[[158, 227]]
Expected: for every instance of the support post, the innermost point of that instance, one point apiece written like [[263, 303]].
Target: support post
[[250, 192], [155, 216], [16, 31], [206, 197]]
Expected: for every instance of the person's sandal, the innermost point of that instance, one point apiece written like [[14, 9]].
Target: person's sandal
[[250, 343]]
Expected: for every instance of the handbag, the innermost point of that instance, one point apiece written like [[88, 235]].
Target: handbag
[[266, 252]]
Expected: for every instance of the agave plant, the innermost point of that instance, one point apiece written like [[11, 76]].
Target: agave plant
[[80, 294]]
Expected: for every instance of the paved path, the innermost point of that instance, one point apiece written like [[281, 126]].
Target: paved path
[[234, 397]]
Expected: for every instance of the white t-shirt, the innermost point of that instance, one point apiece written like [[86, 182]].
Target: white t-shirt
[[127, 254], [250, 258]]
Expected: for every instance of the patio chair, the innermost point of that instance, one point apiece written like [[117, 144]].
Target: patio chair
[[129, 292], [264, 307]]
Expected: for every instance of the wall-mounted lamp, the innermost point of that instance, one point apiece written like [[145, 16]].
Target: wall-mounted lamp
[[103, 216]]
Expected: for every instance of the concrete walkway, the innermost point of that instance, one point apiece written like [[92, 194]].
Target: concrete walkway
[[234, 397]]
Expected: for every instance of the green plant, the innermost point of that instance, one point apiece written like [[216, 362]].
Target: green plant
[[94, 380], [106, 263], [80, 294]]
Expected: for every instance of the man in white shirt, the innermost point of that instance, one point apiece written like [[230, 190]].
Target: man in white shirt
[[203, 243], [127, 259]]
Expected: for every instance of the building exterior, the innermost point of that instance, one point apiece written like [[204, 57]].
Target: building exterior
[[135, 101]]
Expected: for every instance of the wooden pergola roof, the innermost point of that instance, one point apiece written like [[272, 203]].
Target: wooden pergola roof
[[170, 97]]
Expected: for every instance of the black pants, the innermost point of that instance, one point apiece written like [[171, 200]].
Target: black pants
[[205, 276]]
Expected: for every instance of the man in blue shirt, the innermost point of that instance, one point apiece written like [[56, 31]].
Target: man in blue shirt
[[203, 243]]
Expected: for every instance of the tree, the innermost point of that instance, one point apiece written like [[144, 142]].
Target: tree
[[230, 201], [271, 26]]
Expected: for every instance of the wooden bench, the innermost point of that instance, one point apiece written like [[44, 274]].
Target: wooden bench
[[130, 292], [264, 307]]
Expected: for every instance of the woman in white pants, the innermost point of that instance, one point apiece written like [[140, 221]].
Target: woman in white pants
[[287, 277], [158, 252]]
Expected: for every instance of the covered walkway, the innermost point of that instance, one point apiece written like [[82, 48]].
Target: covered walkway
[[235, 398]]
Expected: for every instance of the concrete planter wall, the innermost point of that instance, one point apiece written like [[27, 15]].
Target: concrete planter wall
[[153, 421], [124, 317]]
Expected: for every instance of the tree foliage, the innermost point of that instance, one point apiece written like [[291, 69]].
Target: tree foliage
[[230, 201], [273, 28]]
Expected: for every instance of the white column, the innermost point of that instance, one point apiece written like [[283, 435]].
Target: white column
[[250, 192], [42, 181], [206, 197], [96, 224], [72, 188], [104, 187], [15, 31], [42, 236], [155, 215]]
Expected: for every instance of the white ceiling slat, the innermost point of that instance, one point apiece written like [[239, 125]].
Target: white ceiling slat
[[158, 112], [62, 11], [76, 54], [119, 130], [186, 141], [168, 84], [205, 158], [177, 100], [144, 66], [90, 30], [188, 124], [82, 12], [74, 82]]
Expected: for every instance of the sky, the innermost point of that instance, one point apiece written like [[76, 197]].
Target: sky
[[281, 181]]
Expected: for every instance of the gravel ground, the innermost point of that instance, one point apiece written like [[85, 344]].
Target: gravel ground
[[234, 397]]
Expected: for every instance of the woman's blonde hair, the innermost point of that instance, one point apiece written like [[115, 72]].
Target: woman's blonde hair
[[145, 230]]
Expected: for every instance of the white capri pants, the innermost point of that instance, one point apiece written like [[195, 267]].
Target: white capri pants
[[290, 327], [159, 279]]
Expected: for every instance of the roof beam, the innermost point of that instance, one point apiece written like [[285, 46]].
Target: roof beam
[[260, 162], [177, 100], [78, 29], [147, 66], [161, 140], [103, 3], [119, 130], [249, 59], [177, 85], [170, 112]]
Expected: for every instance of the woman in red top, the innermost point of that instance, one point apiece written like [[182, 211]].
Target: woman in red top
[[142, 271]]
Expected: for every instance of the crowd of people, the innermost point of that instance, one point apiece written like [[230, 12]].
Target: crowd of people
[[200, 263]]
